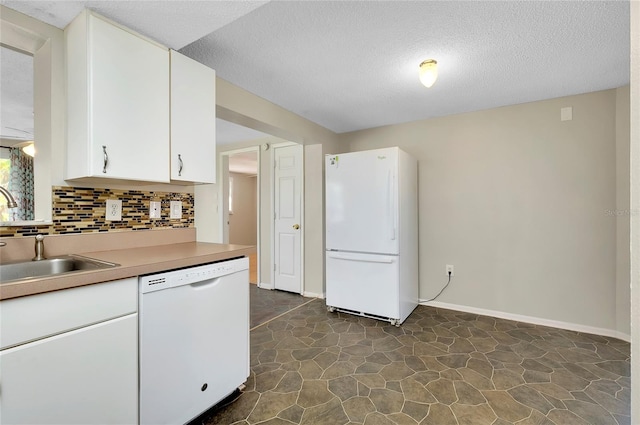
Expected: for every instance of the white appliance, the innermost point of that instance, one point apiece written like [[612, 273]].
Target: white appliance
[[372, 233], [194, 339]]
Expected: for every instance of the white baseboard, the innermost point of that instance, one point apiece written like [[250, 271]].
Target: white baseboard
[[530, 319], [305, 294], [263, 285]]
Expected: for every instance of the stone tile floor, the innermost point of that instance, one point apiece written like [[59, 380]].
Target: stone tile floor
[[267, 305], [440, 367]]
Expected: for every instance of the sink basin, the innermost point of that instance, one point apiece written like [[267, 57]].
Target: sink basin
[[10, 272]]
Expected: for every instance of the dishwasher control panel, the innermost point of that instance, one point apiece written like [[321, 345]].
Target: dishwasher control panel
[[191, 275]]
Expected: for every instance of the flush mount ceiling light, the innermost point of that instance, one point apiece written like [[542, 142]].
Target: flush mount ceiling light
[[428, 72]]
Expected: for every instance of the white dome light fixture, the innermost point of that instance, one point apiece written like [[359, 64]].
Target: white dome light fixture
[[428, 72]]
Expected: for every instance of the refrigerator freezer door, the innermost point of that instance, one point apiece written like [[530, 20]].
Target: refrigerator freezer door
[[364, 283], [362, 201]]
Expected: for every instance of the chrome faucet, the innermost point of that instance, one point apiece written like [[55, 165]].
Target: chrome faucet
[[39, 248], [11, 202]]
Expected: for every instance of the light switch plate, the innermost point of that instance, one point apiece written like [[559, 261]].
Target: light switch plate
[[176, 210], [154, 209], [566, 114], [113, 210]]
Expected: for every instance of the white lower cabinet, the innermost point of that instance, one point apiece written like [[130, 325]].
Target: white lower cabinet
[[75, 372], [86, 376]]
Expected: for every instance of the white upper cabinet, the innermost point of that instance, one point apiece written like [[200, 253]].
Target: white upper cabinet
[[193, 120], [118, 102]]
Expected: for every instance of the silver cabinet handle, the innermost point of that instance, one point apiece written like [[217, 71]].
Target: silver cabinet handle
[[105, 159], [181, 164]]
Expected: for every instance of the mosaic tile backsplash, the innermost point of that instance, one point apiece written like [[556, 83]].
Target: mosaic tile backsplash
[[83, 210]]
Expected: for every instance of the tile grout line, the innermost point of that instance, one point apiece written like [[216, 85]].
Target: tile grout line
[[282, 314]]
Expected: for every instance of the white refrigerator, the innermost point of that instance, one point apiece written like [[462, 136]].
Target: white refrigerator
[[371, 222]]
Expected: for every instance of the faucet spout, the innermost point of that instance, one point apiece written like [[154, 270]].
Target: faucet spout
[[39, 248], [11, 202]]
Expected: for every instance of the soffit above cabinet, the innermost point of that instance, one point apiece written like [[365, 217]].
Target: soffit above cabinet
[[172, 23]]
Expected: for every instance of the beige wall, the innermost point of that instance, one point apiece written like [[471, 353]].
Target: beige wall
[[243, 227], [314, 220], [244, 108], [517, 201]]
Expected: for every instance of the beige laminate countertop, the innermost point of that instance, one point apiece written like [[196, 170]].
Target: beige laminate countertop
[[132, 262]]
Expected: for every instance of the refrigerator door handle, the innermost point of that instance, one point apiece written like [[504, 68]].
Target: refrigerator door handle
[[391, 204], [366, 259]]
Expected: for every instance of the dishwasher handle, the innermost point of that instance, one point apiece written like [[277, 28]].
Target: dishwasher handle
[[206, 284]]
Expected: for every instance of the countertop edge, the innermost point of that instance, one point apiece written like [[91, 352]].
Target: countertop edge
[[146, 260]]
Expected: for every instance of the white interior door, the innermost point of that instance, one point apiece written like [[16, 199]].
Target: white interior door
[[287, 218]]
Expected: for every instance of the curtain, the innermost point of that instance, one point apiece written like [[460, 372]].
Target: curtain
[[21, 184]]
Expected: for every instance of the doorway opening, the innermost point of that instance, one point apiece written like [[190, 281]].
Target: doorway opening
[[243, 204], [241, 219], [238, 144]]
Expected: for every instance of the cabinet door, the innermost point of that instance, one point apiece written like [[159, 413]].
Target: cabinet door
[[193, 120], [86, 376], [129, 103], [117, 102]]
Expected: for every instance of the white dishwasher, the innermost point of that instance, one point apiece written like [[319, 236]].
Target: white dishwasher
[[194, 339]]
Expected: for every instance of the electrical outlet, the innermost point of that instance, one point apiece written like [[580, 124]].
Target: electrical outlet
[[113, 210], [449, 269], [566, 114], [154, 209], [176, 210]]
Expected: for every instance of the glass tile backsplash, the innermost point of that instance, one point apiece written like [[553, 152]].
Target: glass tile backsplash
[[82, 210]]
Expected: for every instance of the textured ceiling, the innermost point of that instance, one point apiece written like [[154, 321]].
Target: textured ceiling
[[353, 65], [173, 23]]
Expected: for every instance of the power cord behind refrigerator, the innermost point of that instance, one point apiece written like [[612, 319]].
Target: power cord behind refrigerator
[[442, 290]]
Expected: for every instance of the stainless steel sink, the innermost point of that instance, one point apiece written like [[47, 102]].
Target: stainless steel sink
[[10, 272]]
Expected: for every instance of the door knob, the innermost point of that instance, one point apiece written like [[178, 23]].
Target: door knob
[[296, 226]]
